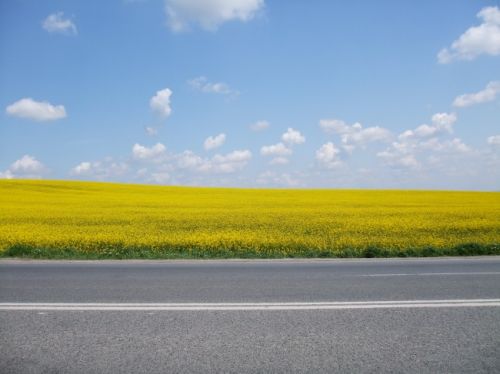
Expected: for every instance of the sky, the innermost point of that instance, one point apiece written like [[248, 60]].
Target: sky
[[252, 93]]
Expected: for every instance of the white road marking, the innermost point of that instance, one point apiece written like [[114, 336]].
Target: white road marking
[[427, 274], [250, 306]]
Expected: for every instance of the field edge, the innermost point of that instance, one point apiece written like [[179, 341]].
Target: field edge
[[119, 252]]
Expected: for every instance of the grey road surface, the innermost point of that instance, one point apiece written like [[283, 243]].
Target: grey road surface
[[290, 316]]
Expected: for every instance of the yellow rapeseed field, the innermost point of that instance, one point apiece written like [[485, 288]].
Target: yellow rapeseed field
[[99, 220]]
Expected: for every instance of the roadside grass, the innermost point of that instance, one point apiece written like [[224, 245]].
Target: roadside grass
[[123, 253], [83, 220]]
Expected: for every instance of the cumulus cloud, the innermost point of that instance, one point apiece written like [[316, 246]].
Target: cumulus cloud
[[56, 23], [209, 14], [328, 155], [82, 168], [334, 126], [175, 164], [151, 131], [453, 145], [396, 159], [101, 170], [281, 149], [160, 177], [188, 160], [292, 137], [36, 110], [260, 125], [140, 152], [278, 149], [441, 123], [444, 121], [218, 164], [279, 161], [487, 94], [26, 167], [354, 135], [203, 85], [278, 179], [477, 40], [425, 141], [7, 174], [213, 142], [494, 140], [228, 163], [160, 102]]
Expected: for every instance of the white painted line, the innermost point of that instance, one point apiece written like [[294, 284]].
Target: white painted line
[[250, 306], [430, 274]]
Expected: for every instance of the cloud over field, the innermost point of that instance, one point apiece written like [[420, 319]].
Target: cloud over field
[[328, 155], [354, 135], [26, 167], [489, 93], [477, 40], [209, 14], [36, 110], [160, 102], [429, 143], [213, 142]]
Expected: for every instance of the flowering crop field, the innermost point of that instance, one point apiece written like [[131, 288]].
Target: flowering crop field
[[52, 219]]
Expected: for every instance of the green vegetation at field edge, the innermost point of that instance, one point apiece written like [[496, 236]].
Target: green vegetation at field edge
[[123, 253]]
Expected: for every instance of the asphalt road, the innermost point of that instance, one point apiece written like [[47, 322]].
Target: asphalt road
[[416, 315]]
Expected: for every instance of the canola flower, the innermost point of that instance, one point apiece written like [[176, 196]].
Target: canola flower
[[56, 219]]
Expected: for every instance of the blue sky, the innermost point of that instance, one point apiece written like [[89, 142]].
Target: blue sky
[[252, 93]]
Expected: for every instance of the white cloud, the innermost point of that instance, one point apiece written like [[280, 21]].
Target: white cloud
[[160, 177], [435, 145], [292, 137], [422, 131], [444, 121], [7, 174], [36, 110], [159, 166], [328, 155], [228, 163], [425, 142], [151, 131], [101, 170], [368, 135], [477, 40], [213, 142], [441, 123], [334, 126], [494, 140], [140, 152], [260, 125], [277, 179], [355, 135], [483, 96], [278, 149], [397, 159], [235, 156], [279, 161], [188, 160], [26, 167], [82, 168], [209, 14], [203, 85], [56, 23], [160, 103]]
